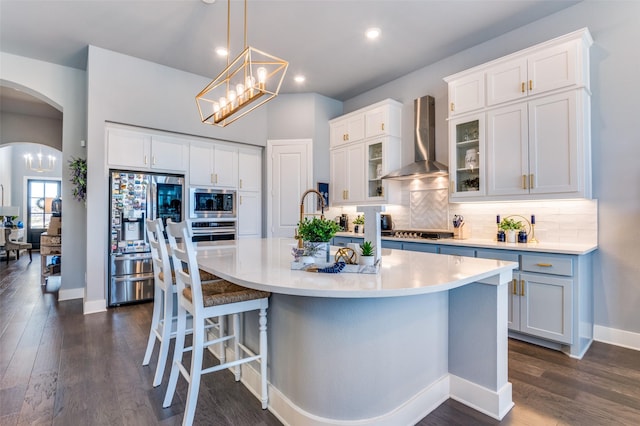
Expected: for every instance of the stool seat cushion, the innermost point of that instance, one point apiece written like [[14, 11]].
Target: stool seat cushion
[[223, 292]]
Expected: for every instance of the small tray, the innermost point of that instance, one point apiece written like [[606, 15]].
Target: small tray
[[350, 269]]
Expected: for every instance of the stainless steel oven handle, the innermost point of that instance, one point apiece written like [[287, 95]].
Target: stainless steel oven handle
[[136, 277], [213, 231]]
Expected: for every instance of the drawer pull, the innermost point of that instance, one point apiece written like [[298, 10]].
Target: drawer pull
[[544, 265], [523, 87], [521, 287], [515, 286]]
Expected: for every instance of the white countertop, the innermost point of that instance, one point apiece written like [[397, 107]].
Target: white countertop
[[543, 247], [265, 264]]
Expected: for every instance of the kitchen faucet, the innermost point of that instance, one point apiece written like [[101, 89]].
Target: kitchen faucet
[[307, 192]]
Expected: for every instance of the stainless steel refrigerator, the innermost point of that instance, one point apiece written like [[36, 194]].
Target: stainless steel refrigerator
[[134, 198]]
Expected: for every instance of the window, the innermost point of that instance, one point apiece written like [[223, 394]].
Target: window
[[40, 194]]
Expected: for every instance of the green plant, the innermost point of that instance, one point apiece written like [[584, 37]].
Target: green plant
[[359, 220], [317, 230], [510, 224], [78, 168], [367, 248]]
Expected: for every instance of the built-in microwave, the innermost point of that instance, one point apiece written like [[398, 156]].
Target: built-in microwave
[[211, 203]]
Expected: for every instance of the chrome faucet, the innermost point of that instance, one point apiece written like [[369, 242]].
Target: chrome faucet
[[322, 205]]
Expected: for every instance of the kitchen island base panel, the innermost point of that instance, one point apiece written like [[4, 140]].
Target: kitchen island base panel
[[398, 365]]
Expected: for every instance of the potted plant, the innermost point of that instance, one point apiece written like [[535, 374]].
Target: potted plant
[[359, 224], [510, 226], [316, 234], [367, 252]]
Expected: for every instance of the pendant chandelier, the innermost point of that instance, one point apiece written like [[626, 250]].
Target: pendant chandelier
[[38, 165], [252, 79]]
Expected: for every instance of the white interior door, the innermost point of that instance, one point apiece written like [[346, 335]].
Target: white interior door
[[289, 174]]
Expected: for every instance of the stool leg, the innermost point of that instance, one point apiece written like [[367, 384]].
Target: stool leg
[[155, 319], [167, 324], [236, 344], [263, 356], [30, 258], [196, 371], [177, 356], [221, 330]]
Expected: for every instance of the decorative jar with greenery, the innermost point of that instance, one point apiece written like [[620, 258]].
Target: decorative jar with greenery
[[78, 169], [359, 224], [316, 234], [510, 226]]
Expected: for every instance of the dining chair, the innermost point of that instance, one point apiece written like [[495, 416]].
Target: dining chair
[[163, 319], [202, 302]]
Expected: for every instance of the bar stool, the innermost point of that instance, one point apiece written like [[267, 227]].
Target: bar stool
[[202, 302], [163, 318]]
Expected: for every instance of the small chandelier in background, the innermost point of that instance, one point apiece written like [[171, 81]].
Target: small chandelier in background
[[249, 81], [38, 164]]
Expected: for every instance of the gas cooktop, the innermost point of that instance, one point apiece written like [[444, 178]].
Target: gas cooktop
[[432, 234]]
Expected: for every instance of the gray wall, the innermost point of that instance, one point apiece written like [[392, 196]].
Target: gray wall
[[616, 148], [65, 89]]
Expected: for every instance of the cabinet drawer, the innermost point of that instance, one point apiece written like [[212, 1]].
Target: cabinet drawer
[[497, 254], [458, 251], [547, 264], [423, 247]]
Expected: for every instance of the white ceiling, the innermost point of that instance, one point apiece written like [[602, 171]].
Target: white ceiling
[[322, 39]]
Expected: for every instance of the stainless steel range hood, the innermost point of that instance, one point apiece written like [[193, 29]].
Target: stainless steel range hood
[[424, 143]]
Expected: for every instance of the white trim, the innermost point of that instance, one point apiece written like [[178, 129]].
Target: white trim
[[70, 294], [614, 336], [494, 404], [95, 306]]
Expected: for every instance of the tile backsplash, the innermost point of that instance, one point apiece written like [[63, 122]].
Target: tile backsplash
[[424, 205]]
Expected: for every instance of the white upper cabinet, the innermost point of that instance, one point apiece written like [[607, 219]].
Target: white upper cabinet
[[212, 164], [141, 151], [357, 165], [545, 70], [346, 130], [380, 119], [538, 141], [466, 93]]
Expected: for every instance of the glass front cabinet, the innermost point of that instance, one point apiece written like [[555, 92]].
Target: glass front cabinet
[[466, 157]]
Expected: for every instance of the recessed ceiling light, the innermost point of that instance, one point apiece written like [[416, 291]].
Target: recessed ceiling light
[[221, 51], [299, 78], [373, 33]]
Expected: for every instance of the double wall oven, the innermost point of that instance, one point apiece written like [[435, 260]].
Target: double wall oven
[[213, 214]]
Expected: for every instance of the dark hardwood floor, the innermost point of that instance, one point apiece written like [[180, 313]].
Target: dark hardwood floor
[[58, 366]]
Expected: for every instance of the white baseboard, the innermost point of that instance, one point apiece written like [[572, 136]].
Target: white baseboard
[[70, 294], [494, 404], [613, 336], [95, 306]]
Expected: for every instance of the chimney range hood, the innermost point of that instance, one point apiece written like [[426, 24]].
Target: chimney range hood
[[424, 144]]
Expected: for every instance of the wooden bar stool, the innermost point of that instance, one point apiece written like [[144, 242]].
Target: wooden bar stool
[[163, 318], [202, 302]]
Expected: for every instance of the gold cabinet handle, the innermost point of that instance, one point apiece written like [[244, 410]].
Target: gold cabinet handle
[[524, 181], [145, 159], [531, 181], [521, 287], [241, 200], [240, 183], [523, 87], [347, 191], [452, 106], [452, 185], [515, 286], [153, 160], [214, 178], [530, 85], [544, 265], [382, 127]]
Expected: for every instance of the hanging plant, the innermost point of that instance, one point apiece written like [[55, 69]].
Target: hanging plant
[[78, 168]]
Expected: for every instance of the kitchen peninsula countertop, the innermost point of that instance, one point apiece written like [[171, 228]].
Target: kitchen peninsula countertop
[[265, 264], [542, 247]]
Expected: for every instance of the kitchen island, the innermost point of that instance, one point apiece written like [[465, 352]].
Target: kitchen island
[[384, 348]]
